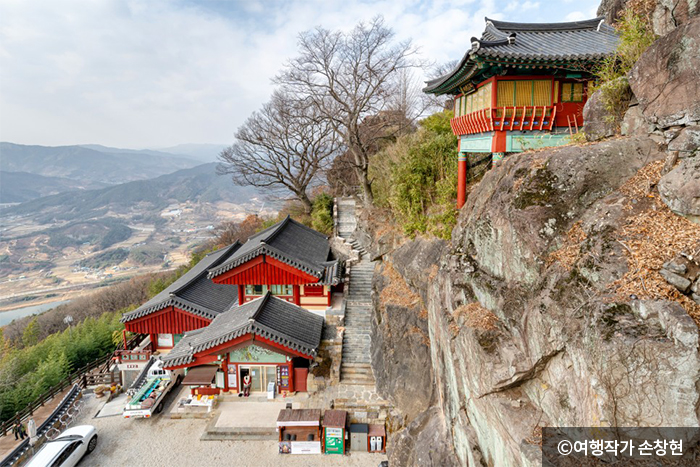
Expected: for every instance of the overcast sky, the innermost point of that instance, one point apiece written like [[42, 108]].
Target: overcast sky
[[155, 73]]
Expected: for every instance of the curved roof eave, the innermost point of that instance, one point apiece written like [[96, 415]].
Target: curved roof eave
[[565, 26], [433, 85]]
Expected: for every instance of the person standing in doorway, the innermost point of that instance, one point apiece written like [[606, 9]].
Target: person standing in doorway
[[246, 385]]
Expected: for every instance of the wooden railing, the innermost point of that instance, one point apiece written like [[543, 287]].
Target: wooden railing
[[505, 118], [23, 449], [82, 377]]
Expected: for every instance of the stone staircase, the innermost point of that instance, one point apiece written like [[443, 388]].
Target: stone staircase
[[346, 222], [355, 366]]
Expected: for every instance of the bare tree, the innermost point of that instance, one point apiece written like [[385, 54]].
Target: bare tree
[[350, 77], [284, 147]]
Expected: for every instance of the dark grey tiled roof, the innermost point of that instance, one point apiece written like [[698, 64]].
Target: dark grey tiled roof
[[194, 292], [580, 40], [269, 317], [541, 43], [292, 243]]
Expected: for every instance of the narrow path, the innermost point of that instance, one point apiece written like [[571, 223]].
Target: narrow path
[[355, 367]]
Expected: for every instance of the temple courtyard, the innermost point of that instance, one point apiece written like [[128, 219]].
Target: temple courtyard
[[162, 440]]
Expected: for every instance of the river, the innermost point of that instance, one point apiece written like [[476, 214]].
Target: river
[[6, 317]]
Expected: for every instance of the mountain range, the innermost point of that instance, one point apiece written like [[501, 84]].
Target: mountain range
[[87, 165], [199, 184]]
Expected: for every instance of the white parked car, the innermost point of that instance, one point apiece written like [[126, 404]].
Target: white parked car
[[67, 449]]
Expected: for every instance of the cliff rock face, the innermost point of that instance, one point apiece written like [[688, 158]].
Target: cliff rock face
[[666, 15], [569, 294], [536, 313], [666, 79], [533, 319]]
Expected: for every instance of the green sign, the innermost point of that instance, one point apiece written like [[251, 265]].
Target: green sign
[[334, 441], [255, 354]]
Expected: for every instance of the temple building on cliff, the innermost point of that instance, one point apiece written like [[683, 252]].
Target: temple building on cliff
[[521, 86], [255, 309]]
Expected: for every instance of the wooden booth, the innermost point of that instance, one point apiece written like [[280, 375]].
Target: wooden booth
[[377, 438], [299, 431], [359, 437], [334, 423]]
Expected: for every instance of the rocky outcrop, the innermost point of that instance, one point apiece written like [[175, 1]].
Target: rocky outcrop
[[401, 354], [683, 272], [666, 79], [423, 442], [680, 188], [686, 142], [526, 326], [666, 15], [599, 123], [523, 325], [669, 14]]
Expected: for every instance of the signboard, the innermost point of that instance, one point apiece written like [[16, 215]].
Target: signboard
[[285, 447], [306, 447], [131, 366], [283, 377], [255, 354], [232, 380], [334, 441]]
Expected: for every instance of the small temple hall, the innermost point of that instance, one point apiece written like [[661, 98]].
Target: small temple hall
[[521, 86]]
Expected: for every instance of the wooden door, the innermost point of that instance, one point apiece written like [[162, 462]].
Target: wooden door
[[300, 375]]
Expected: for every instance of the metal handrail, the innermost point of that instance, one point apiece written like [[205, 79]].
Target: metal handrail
[[23, 449]]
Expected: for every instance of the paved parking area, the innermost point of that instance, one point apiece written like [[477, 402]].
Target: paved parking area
[[249, 414], [161, 441]]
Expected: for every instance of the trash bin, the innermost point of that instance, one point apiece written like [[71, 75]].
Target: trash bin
[[270, 390]]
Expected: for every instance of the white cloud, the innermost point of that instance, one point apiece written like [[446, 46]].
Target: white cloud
[[137, 73], [575, 16], [521, 6]]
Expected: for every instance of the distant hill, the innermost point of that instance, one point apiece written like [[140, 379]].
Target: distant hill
[[200, 184], [18, 187], [203, 152], [89, 165], [142, 152]]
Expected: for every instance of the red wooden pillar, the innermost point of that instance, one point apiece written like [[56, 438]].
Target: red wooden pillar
[[297, 294], [154, 341], [241, 295], [291, 376], [498, 143], [461, 176], [224, 367]]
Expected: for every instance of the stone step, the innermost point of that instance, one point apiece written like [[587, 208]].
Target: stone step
[[356, 365], [361, 382], [357, 371], [239, 434]]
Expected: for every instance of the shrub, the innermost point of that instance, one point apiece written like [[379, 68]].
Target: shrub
[[636, 35], [416, 178], [322, 213]]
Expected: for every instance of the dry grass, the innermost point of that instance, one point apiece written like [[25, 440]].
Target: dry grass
[[570, 251], [475, 316], [433, 272], [651, 237], [397, 292], [536, 437], [415, 330]]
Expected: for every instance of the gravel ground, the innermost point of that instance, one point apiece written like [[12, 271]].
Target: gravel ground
[[161, 441]]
